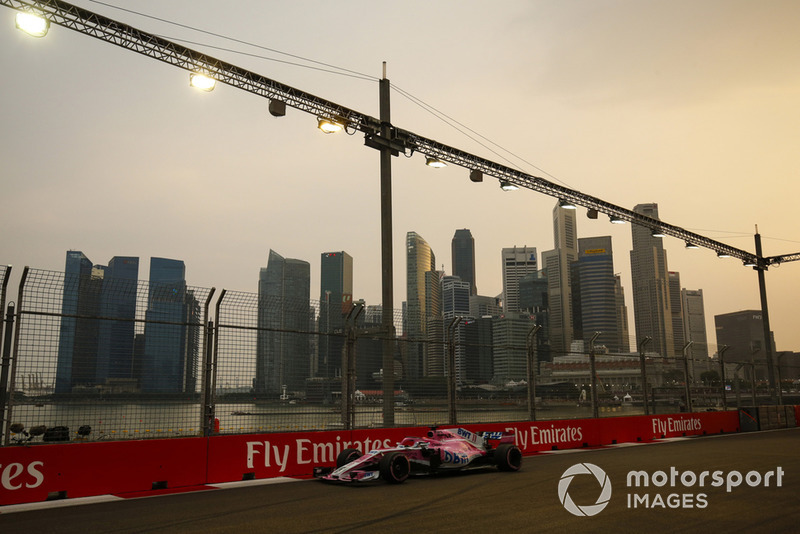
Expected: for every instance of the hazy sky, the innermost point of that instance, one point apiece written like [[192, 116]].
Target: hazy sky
[[691, 104]]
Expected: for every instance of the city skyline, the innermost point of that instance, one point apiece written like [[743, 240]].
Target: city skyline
[[340, 266], [619, 114]]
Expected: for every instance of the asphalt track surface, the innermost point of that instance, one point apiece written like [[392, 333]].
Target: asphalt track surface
[[484, 501]]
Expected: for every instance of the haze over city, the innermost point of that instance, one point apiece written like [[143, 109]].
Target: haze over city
[[690, 105]]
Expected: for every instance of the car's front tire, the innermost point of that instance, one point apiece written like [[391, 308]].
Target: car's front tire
[[394, 467], [347, 456], [508, 457]]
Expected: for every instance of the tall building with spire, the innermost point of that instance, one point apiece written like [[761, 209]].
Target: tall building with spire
[[420, 259], [463, 257], [651, 298]]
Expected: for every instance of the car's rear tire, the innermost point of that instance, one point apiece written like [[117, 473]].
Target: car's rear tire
[[508, 457], [394, 467], [347, 456]]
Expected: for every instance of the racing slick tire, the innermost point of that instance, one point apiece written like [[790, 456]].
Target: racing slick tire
[[394, 467], [347, 456], [508, 457]]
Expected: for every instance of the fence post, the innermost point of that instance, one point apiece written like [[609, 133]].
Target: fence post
[[209, 409], [643, 365], [5, 278], [6, 437], [780, 378], [532, 365], [593, 370], [5, 366], [686, 392], [721, 352], [349, 366], [737, 386], [451, 370]]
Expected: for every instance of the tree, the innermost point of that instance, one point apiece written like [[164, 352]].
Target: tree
[[710, 378]]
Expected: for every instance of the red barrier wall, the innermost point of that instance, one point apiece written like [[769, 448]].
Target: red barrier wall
[[31, 473]]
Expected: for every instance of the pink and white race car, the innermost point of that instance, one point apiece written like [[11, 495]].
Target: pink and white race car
[[442, 450]]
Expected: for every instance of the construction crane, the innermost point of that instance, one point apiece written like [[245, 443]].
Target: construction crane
[[396, 139]]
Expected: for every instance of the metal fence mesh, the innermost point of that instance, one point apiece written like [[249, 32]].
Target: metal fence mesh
[[98, 358]]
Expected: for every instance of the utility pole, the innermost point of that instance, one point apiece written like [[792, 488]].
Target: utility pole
[[762, 290], [387, 271]]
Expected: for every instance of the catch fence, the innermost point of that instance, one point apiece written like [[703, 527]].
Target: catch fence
[[88, 357]]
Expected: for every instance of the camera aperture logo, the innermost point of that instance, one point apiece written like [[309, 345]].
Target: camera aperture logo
[[645, 489], [602, 500]]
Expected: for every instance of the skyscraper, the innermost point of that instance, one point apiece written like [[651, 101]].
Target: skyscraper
[[77, 343], [419, 260], [597, 291], [463, 257], [455, 304], [743, 333], [517, 262], [476, 366], [694, 326], [92, 351], [336, 299], [455, 297], [676, 311], [557, 264], [533, 300], [510, 357], [171, 351], [434, 325], [651, 306], [484, 306], [115, 337], [622, 315], [283, 350]]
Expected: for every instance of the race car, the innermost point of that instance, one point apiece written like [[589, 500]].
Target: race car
[[440, 451]]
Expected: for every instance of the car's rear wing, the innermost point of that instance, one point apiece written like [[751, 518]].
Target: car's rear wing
[[483, 439]]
